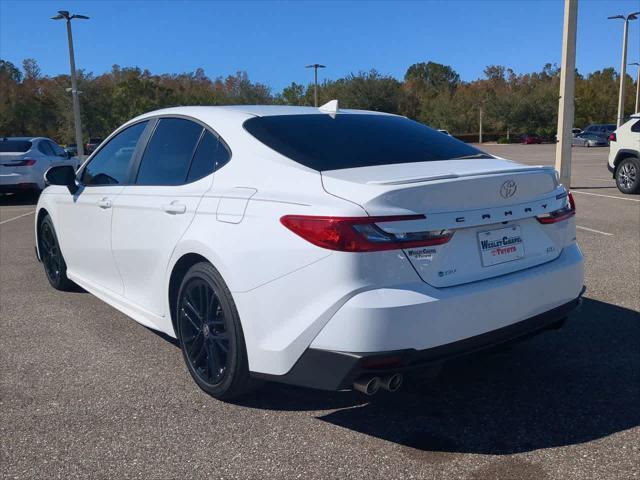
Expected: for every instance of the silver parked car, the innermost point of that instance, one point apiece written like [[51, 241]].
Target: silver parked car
[[23, 161], [590, 140]]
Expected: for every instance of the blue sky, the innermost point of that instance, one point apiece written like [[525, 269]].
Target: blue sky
[[273, 41]]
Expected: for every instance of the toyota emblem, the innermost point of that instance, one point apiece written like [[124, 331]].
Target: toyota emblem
[[508, 189]]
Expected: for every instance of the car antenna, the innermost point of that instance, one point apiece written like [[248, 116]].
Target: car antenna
[[331, 108]]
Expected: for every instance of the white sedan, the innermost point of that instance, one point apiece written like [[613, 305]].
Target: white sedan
[[328, 248]]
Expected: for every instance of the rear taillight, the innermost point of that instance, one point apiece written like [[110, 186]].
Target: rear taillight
[[612, 137], [22, 163], [560, 214], [361, 234]]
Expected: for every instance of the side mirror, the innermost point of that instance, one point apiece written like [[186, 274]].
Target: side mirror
[[63, 175]]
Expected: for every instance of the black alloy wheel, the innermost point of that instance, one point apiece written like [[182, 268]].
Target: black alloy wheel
[[49, 249], [210, 334]]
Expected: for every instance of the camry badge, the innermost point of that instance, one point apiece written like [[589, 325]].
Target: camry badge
[[508, 189]]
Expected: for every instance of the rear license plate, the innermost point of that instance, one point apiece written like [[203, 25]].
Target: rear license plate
[[499, 246]]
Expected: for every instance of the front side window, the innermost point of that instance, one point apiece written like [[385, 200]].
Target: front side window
[[167, 158], [636, 127], [111, 165], [321, 142]]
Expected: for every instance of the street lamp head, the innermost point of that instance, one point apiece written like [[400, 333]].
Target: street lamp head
[[635, 63], [315, 65], [616, 16], [63, 14], [633, 16]]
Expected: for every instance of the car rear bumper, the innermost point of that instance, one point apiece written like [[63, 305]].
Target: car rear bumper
[[420, 324], [336, 370], [18, 182]]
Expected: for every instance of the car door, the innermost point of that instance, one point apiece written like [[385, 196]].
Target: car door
[[151, 215], [83, 220]]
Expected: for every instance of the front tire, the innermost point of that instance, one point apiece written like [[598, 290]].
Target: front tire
[[51, 256], [628, 175], [210, 334]]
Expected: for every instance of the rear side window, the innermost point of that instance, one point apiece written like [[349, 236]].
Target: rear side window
[[14, 146], [111, 165], [321, 142], [636, 127], [167, 158], [210, 155], [45, 148], [57, 149]]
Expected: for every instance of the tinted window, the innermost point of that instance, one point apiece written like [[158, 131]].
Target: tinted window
[[14, 146], [168, 155], [111, 163], [57, 149], [348, 140], [636, 127], [45, 148], [210, 155]]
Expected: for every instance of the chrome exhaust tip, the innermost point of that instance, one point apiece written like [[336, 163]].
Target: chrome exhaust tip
[[392, 383], [367, 384]]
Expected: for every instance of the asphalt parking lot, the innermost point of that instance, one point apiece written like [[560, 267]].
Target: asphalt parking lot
[[85, 392]]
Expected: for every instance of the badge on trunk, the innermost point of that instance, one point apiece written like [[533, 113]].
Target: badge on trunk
[[508, 189]]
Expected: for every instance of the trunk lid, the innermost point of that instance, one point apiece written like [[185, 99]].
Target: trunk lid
[[491, 204]]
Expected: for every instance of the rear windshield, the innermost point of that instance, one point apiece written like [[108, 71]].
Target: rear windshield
[[13, 146], [321, 142]]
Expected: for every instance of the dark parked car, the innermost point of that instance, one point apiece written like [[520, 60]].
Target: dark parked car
[[601, 129], [530, 139], [92, 144]]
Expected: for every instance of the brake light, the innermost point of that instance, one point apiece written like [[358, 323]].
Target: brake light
[[560, 214], [361, 234], [22, 163], [612, 137]]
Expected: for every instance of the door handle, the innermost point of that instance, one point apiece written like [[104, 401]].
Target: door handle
[[104, 203], [174, 208]]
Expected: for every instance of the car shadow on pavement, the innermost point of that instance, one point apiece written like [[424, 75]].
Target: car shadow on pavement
[[560, 388], [19, 199]]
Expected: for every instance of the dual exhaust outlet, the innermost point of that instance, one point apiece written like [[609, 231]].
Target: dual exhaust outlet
[[371, 384]]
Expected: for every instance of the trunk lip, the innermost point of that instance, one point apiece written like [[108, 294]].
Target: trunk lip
[[478, 173]]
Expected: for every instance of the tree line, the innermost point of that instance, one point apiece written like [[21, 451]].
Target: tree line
[[512, 103]]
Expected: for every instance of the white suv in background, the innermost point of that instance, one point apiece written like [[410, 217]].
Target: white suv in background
[[23, 161], [624, 155]]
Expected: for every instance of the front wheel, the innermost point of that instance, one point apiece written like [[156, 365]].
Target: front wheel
[[210, 334], [51, 256], [628, 175]]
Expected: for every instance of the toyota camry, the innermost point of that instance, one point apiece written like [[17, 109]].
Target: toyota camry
[[322, 247]]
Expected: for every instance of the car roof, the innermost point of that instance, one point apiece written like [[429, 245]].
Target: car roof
[[22, 139], [248, 111]]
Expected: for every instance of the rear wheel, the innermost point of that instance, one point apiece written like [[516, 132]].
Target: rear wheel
[[51, 256], [628, 175], [210, 334]]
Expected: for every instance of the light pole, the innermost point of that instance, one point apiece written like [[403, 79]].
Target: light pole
[[637, 85], [567, 92], [63, 14], [623, 64], [315, 67]]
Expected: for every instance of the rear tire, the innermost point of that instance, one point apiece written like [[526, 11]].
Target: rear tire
[[210, 334], [628, 175], [51, 256]]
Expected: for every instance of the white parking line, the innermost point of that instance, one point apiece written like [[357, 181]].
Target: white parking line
[[606, 196], [16, 218], [594, 231]]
